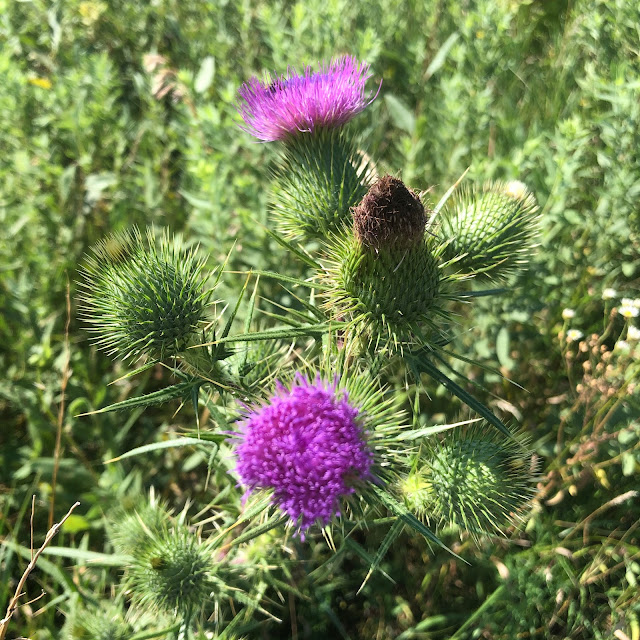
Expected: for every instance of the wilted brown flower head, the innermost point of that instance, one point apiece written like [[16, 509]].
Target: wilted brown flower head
[[389, 216]]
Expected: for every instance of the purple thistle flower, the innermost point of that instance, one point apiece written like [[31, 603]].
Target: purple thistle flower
[[307, 446], [294, 103]]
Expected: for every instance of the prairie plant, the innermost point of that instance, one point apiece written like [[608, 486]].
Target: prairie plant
[[312, 422]]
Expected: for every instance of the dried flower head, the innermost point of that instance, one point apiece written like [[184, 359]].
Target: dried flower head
[[297, 103], [390, 215], [489, 230], [307, 445], [383, 275]]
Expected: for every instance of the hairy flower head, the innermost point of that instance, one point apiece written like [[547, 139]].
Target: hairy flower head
[[307, 445], [390, 215], [296, 103]]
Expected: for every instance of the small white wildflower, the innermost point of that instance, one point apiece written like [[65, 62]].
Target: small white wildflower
[[628, 311], [633, 333], [622, 345], [609, 294], [568, 314], [630, 302], [574, 334]]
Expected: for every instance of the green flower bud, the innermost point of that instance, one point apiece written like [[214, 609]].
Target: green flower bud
[[175, 574], [489, 231], [320, 178], [473, 479], [143, 297], [385, 278], [131, 531], [89, 623]]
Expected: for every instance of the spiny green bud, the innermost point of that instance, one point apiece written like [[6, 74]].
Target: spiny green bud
[[143, 297], [390, 215], [384, 278], [473, 479], [89, 623], [131, 531], [174, 574], [321, 177], [489, 230]]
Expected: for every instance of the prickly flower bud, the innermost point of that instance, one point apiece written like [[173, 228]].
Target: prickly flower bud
[[389, 216], [174, 575], [104, 623], [384, 279], [489, 230], [143, 297], [474, 479]]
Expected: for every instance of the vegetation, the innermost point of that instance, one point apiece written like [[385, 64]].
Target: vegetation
[[118, 114]]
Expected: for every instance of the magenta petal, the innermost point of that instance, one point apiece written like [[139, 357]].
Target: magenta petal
[[295, 103], [308, 447]]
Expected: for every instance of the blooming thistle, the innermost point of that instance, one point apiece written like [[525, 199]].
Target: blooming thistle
[[314, 444], [143, 297], [383, 278], [488, 231], [473, 478], [294, 104]]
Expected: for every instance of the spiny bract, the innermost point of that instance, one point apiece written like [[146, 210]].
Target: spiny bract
[[319, 179]]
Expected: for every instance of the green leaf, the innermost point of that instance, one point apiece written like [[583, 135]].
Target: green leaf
[[180, 390], [401, 116], [441, 55], [401, 511], [389, 539], [422, 365], [90, 557], [503, 342], [205, 76], [282, 333], [155, 446], [303, 283]]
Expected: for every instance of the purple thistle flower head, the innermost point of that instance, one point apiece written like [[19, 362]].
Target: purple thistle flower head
[[307, 446], [294, 103]]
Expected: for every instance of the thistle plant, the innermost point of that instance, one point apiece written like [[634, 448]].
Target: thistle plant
[[489, 231], [311, 425], [322, 172]]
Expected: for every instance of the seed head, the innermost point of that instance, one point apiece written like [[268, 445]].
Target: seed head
[[389, 216]]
